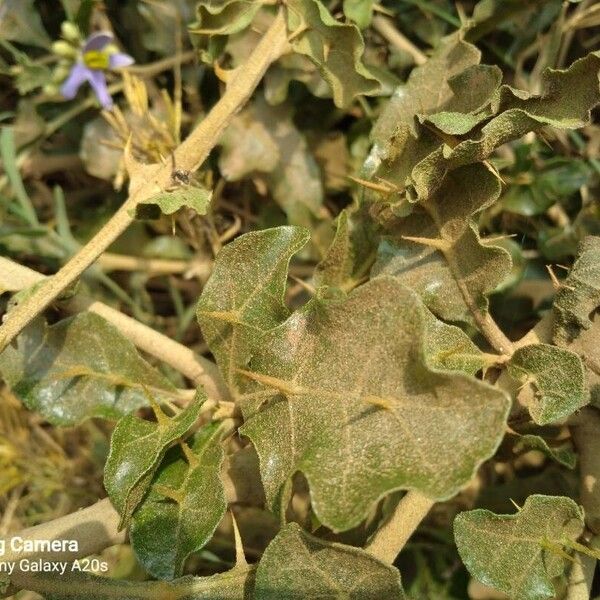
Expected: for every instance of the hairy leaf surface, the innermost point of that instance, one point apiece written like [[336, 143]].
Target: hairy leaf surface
[[335, 48], [244, 297], [319, 398], [168, 202], [136, 450], [556, 381], [437, 249], [297, 566], [184, 506], [81, 367], [517, 554], [579, 295]]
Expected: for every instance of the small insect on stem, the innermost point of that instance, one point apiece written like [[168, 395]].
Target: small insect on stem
[[179, 177]]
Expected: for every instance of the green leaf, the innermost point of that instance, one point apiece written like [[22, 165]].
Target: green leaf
[[231, 585], [298, 566], [519, 554], [344, 394], [359, 11], [557, 182], [562, 454], [137, 448], [215, 20], [191, 196], [426, 91], [554, 379], [335, 48], [579, 295], [587, 346], [437, 249], [449, 348], [566, 101], [244, 296], [263, 139], [21, 22], [185, 504], [81, 367], [351, 253]]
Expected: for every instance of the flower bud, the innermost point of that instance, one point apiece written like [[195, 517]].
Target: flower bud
[[50, 89], [60, 73], [70, 31], [62, 48]]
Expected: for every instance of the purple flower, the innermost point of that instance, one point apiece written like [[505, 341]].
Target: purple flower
[[98, 55]]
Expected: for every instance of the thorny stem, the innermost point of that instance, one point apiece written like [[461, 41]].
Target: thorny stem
[[389, 539], [188, 156], [199, 370]]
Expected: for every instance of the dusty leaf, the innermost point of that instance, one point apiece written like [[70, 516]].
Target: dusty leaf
[[264, 139], [217, 20], [579, 295], [81, 367], [437, 249], [449, 348], [553, 380], [562, 453], [519, 554], [297, 565], [137, 447], [334, 47], [565, 102], [351, 253], [318, 398], [183, 507], [426, 91], [168, 202], [244, 296]]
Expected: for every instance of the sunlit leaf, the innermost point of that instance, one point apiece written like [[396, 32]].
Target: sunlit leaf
[[335, 48], [168, 202], [297, 565], [319, 398], [244, 297], [554, 380], [519, 554], [81, 367]]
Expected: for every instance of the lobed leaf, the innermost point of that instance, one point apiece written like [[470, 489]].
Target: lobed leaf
[[168, 202], [318, 399], [554, 380], [562, 454], [79, 368], [244, 296], [566, 101], [334, 47], [215, 20], [579, 295], [184, 505], [437, 249], [137, 448], [519, 554], [298, 566]]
